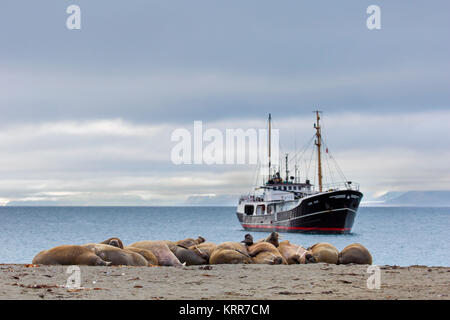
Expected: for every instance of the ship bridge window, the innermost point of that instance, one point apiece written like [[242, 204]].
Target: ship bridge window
[[248, 209], [261, 209], [270, 208]]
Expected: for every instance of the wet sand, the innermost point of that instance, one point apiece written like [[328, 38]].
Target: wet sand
[[312, 281]]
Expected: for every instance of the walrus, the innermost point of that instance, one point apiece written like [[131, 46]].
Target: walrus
[[295, 254], [230, 253], [147, 254], [69, 255], [116, 255], [263, 252], [204, 249], [186, 243], [161, 251], [185, 255], [115, 242], [272, 238], [324, 252], [355, 253]]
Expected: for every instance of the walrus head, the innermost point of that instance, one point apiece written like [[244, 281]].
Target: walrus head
[[277, 260], [248, 239], [273, 239], [309, 258], [200, 239], [115, 242]]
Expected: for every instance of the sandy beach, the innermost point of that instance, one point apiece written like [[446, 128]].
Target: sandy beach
[[239, 282]]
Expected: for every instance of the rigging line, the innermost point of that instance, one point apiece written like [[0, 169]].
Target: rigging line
[[280, 148], [325, 175], [333, 161], [327, 155], [341, 173], [256, 173], [328, 160], [309, 164], [303, 154], [277, 162], [304, 149], [315, 168]]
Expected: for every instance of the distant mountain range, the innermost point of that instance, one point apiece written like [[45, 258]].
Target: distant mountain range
[[212, 200], [392, 198], [414, 198]]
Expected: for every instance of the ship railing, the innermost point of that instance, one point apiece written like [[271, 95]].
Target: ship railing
[[348, 185], [251, 197]]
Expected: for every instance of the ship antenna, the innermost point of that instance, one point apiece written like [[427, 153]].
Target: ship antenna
[[318, 144], [270, 138]]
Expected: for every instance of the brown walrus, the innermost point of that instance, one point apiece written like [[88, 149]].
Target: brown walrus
[[272, 238], [116, 255], [147, 254], [115, 242], [263, 252], [189, 242], [186, 255], [69, 255], [324, 252], [355, 253], [295, 254], [161, 251], [204, 249], [230, 253]]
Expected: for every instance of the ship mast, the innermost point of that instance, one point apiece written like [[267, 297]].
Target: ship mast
[[319, 144], [287, 170], [270, 138]]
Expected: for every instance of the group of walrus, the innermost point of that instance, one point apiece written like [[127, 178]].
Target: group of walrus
[[199, 252]]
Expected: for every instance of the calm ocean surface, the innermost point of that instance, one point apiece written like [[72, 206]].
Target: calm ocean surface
[[394, 235]]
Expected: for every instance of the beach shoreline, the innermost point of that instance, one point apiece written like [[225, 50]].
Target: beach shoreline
[[223, 282]]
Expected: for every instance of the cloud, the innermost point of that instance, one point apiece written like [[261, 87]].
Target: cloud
[[171, 96], [86, 117], [116, 161]]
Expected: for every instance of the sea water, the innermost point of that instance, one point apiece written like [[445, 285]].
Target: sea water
[[394, 235]]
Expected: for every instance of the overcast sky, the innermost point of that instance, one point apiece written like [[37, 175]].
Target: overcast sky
[[86, 115]]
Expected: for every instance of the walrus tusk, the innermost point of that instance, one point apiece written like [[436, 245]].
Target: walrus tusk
[[303, 255], [300, 258], [299, 250], [196, 247]]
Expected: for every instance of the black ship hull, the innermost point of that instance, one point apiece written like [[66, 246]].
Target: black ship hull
[[328, 212]]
